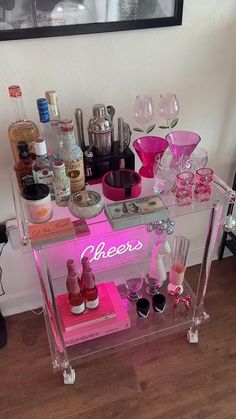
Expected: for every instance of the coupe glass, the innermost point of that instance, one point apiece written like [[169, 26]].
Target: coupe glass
[[168, 107], [164, 174], [143, 109]]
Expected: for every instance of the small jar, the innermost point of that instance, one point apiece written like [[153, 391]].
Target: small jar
[[38, 204]]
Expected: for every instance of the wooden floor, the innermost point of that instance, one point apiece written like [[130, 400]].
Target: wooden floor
[[166, 379]]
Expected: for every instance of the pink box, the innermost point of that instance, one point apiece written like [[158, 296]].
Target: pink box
[[120, 322]]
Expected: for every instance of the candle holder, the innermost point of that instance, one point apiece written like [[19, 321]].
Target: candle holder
[[204, 178]]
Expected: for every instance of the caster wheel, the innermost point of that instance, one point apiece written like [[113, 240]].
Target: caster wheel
[[192, 336], [69, 378]]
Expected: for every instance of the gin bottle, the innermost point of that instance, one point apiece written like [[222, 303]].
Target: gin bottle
[[47, 132], [61, 184], [22, 128], [72, 156], [42, 167]]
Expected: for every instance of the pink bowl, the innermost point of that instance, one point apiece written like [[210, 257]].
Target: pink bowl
[[148, 148], [121, 184]]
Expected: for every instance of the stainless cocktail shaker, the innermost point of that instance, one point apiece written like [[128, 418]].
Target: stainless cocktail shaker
[[100, 130]]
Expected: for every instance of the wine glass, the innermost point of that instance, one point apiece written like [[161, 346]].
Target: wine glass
[[168, 107], [134, 284], [143, 109]]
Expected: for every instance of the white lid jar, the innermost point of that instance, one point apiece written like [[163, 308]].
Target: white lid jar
[[37, 202]]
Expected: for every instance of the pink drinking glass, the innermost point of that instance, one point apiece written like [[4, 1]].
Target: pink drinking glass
[[204, 178], [184, 192]]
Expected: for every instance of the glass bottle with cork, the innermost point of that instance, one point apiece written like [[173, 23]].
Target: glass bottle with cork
[[72, 156], [24, 166], [76, 296], [22, 128], [61, 184], [42, 167]]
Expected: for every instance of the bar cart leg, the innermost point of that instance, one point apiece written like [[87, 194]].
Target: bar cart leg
[[200, 315], [69, 375]]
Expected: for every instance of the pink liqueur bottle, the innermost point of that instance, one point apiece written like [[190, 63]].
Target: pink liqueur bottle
[[76, 296], [91, 291]]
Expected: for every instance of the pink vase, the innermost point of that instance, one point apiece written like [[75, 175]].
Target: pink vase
[[148, 148]]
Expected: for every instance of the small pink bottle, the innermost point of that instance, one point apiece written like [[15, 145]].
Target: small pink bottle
[[91, 291], [76, 296]]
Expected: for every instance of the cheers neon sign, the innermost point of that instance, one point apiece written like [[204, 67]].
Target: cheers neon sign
[[96, 253]]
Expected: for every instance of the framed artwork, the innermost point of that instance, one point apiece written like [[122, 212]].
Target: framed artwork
[[22, 19]]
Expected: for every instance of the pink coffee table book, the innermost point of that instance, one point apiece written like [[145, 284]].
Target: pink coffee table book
[[109, 317]]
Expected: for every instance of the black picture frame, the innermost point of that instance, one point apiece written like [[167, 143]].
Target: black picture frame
[[89, 28]]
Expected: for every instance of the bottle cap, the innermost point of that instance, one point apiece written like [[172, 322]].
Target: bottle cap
[[14, 91], [42, 105], [99, 110], [51, 96], [35, 191], [88, 154], [58, 164], [40, 147], [66, 125], [85, 260], [71, 266]]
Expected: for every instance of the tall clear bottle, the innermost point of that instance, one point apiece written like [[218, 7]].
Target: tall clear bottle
[[47, 132], [54, 113], [42, 168], [72, 156], [22, 129]]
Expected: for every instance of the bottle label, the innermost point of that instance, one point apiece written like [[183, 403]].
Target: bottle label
[[45, 176], [75, 172], [78, 309], [92, 304], [27, 179], [40, 213]]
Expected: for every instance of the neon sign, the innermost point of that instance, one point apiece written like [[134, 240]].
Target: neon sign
[[95, 253]]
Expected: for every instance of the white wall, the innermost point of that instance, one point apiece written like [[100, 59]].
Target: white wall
[[196, 60]]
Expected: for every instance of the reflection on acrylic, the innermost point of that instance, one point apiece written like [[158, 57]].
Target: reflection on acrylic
[[15, 14]]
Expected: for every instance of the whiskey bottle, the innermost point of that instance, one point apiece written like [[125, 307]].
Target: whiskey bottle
[[22, 128], [76, 296], [24, 166], [42, 167], [70, 271], [46, 130], [72, 156], [91, 291], [61, 184]]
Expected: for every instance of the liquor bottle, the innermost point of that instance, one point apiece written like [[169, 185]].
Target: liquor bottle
[[22, 128], [54, 113], [72, 156], [76, 296], [24, 166], [42, 167], [85, 266], [61, 184], [91, 291], [71, 271], [47, 132]]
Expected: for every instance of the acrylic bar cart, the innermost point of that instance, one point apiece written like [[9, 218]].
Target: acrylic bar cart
[[115, 256]]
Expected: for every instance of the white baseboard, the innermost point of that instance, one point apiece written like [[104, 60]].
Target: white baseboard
[[31, 299]]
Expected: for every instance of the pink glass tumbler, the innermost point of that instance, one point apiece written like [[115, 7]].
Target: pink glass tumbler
[[148, 148], [204, 178], [184, 192]]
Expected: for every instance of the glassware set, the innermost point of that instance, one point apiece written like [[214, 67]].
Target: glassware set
[[185, 184]]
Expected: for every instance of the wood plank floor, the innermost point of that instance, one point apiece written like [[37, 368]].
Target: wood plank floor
[[167, 378]]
